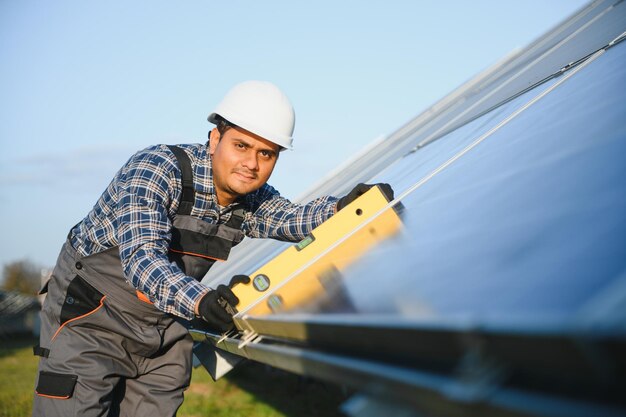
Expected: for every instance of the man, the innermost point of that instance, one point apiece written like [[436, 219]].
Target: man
[[112, 342]]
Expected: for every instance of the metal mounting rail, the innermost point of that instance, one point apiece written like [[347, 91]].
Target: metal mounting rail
[[445, 370]]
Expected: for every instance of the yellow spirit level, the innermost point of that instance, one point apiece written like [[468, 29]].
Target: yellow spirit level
[[300, 273]]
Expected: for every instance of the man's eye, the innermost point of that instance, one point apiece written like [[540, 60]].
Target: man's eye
[[266, 154]]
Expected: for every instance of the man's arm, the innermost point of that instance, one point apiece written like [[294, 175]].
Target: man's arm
[[278, 218], [146, 190]]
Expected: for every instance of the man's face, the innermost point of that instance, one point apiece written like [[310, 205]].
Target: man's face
[[242, 163]]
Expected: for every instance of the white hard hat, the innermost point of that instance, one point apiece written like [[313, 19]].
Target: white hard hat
[[261, 108]]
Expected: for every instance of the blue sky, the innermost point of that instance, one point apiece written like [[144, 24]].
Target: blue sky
[[84, 84]]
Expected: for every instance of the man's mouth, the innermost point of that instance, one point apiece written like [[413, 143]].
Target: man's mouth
[[246, 174]]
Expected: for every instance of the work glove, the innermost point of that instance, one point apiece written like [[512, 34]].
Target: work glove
[[216, 307], [361, 189]]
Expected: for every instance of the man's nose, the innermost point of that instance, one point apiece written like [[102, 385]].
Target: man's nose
[[251, 161]]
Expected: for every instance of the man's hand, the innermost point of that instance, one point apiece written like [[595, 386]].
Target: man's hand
[[213, 306], [361, 189]]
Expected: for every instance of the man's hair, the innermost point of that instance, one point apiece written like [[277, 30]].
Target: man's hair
[[223, 125]]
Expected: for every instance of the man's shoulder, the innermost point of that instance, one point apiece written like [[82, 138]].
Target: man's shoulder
[[162, 155], [166, 148], [190, 147]]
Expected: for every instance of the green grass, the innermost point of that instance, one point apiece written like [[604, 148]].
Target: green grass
[[251, 389], [17, 367]]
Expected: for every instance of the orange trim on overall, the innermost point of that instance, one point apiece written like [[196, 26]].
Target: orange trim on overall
[[143, 297], [196, 254], [79, 317], [54, 397]]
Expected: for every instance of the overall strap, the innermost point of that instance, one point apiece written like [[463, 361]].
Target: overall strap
[[189, 194], [236, 218]]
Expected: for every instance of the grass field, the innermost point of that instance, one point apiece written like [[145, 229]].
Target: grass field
[[250, 390]]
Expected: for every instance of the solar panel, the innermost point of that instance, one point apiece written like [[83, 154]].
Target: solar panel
[[505, 291]]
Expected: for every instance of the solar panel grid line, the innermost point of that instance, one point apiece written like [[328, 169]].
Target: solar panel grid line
[[445, 130], [605, 311], [492, 92], [442, 132], [618, 39], [495, 128]]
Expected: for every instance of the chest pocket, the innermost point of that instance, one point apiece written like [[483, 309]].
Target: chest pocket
[[196, 244]]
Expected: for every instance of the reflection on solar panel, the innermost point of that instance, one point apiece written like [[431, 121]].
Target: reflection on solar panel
[[505, 292]]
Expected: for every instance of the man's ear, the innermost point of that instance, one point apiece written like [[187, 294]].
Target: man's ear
[[214, 138]]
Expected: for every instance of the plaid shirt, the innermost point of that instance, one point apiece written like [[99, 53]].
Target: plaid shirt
[[136, 213]]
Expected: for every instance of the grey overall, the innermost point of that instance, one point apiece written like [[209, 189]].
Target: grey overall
[[104, 351]]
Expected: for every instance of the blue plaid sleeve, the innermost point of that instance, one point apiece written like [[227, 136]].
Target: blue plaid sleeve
[[278, 218], [146, 187]]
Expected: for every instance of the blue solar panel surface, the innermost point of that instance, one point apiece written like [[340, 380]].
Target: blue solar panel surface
[[531, 223]]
